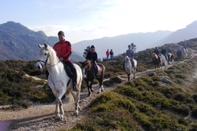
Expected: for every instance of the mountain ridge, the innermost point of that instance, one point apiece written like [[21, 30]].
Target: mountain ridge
[[19, 42]]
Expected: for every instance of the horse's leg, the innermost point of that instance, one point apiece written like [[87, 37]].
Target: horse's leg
[[59, 103], [134, 74], [101, 85], [57, 111], [91, 83], [128, 75], [88, 85], [76, 97], [61, 110], [101, 88]]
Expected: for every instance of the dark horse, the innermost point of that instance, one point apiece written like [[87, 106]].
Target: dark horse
[[179, 55], [170, 58], [88, 69], [156, 61]]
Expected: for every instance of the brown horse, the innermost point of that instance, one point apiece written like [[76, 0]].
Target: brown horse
[[156, 61], [88, 70], [170, 58], [179, 55]]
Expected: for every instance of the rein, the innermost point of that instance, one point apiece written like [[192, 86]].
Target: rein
[[45, 62]]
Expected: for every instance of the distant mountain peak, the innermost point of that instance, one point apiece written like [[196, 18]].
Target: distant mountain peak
[[193, 25], [14, 26]]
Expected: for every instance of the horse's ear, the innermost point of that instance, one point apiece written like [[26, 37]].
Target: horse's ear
[[45, 45], [39, 45]]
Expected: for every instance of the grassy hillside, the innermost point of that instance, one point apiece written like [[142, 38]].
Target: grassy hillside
[[144, 104], [147, 103]]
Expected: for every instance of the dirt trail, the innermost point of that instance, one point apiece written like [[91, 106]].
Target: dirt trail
[[41, 117]]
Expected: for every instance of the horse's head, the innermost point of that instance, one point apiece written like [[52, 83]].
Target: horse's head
[[86, 64], [45, 52], [127, 62], [155, 56], [127, 59]]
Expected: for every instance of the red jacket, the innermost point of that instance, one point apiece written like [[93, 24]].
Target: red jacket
[[63, 49], [107, 53]]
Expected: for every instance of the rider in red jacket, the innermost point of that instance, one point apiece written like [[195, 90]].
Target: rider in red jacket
[[63, 49]]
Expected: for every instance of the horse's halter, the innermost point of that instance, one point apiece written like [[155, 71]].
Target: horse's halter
[[44, 62]]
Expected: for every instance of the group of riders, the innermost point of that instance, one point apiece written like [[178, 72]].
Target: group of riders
[[63, 50], [165, 53]]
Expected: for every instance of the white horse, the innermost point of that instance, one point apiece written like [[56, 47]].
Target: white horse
[[58, 79], [164, 62], [185, 52], [129, 68]]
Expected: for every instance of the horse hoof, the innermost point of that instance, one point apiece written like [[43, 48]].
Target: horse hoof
[[89, 95], [76, 113], [62, 118]]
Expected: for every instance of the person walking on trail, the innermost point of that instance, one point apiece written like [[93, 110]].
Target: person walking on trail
[[107, 54], [63, 50], [130, 54], [111, 54], [92, 55]]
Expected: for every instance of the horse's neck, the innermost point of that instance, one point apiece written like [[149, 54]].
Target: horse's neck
[[52, 62]]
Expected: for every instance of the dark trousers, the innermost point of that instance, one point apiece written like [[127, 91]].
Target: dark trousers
[[73, 71], [95, 66]]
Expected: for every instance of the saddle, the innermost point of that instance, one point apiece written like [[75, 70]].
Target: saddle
[[96, 69]]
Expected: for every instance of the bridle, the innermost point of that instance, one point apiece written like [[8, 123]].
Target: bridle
[[45, 62]]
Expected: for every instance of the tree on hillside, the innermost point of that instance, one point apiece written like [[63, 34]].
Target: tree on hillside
[[86, 51], [133, 46]]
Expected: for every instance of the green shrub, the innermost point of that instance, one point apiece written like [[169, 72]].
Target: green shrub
[[179, 97]]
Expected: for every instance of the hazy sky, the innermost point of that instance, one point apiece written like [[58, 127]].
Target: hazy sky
[[91, 19]]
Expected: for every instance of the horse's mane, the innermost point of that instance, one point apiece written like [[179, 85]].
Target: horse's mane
[[52, 52], [51, 49], [127, 58]]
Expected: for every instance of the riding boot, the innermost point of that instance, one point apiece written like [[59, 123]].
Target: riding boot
[[96, 70]]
